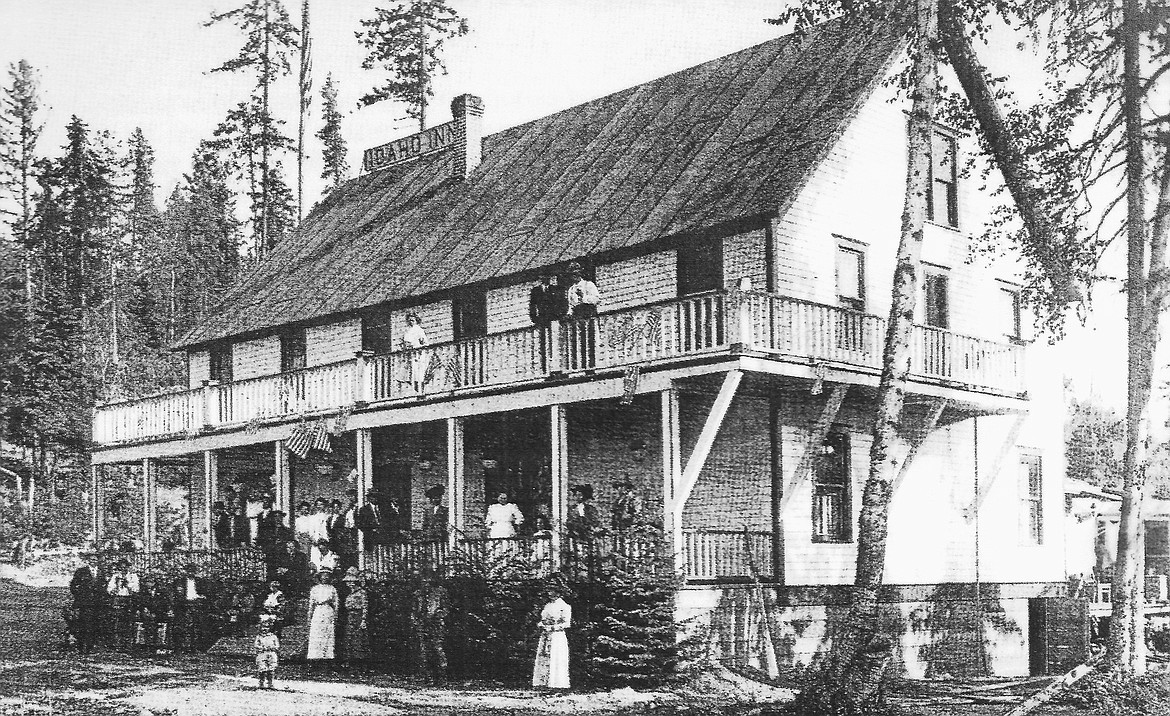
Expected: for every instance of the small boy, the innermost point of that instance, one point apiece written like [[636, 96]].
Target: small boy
[[267, 645]]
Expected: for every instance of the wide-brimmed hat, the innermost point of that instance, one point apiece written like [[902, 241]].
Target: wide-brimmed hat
[[574, 267], [351, 575], [435, 491]]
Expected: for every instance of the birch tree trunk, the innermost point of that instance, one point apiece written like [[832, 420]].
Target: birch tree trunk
[[851, 679], [1127, 644]]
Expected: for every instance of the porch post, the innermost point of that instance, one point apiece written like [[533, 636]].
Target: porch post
[[671, 458], [455, 481], [210, 405], [149, 515], [283, 481], [210, 481], [560, 478], [96, 473], [364, 451]]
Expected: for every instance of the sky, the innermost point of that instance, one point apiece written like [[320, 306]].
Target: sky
[[122, 64]]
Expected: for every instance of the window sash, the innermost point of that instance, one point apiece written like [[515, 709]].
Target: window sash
[[943, 202], [1011, 309], [832, 485], [937, 292], [1031, 498], [292, 351], [700, 267], [851, 277]]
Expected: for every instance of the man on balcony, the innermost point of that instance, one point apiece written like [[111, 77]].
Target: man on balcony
[[547, 302], [582, 300], [434, 524]]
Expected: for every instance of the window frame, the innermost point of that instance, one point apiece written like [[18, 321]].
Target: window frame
[[842, 484], [858, 303], [1031, 500], [933, 274], [690, 255], [219, 363], [460, 303], [293, 345], [1017, 327], [951, 220]]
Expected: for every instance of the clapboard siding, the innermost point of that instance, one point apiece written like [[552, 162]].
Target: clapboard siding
[[645, 279], [256, 357], [333, 342], [198, 368]]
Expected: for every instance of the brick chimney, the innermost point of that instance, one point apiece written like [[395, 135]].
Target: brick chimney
[[467, 113]]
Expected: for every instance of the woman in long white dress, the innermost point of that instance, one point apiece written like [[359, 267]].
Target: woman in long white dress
[[323, 602], [551, 670], [413, 338]]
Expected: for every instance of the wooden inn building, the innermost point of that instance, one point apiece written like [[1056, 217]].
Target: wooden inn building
[[740, 219]]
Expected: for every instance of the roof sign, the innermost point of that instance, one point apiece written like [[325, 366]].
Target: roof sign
[[411, 147]]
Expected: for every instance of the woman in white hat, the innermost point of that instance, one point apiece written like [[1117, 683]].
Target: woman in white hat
[[323, 603]]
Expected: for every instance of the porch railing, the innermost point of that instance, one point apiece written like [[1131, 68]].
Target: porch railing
[[711, 554], [240, 564], [497, 558], [695, 325]]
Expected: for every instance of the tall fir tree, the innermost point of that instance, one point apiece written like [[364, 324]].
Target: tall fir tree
[[143, 223], [336, 169], [405, 40], [270, 38], [19, 106]]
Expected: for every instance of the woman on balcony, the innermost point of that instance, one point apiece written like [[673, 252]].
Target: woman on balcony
[[323, 602], [503, 518], [412, 339]]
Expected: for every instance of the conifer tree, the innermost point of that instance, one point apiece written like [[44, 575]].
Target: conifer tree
[[405, 40], [336, 165], [143, 233], [21, 130], [270, 37]]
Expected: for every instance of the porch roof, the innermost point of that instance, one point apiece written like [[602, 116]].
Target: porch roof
[[725, 140]]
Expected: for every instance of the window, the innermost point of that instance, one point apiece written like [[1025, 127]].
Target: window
[[377, 332], [938, 300], [220, 368], [851, 277], [1010, 312], [700, 267], [470, 315], [942, 204], [1031, 499], [832, 510], [292, 350]]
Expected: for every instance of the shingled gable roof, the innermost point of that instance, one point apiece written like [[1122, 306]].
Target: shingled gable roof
[[727, 139]]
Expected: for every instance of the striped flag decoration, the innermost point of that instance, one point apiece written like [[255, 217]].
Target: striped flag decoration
[[299, 441], [320, 439]]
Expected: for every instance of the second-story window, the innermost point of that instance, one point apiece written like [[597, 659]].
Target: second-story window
[[220, 368], [832, 510], [700, 267], [292, 350], [1031, 498], [851, 277], [469, 313], [943, 201], [1009, 299], [377, 332], [936, 289]]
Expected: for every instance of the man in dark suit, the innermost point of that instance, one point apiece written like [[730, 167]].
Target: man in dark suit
[[87, 600], [547, 302], [189, 597], [221, 526], [372, 521], [434, 522]]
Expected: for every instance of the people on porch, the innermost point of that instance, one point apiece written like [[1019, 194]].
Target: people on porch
[[327, 560], [221, 525], [322, 617], [627, 509], [503, 518], [547, 302], [551, 667], [434, 523], [302, 527], [583, 521], [123, 588], [371, 520]]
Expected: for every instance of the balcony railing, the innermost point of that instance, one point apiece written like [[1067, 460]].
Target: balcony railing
[[705, 324], [712, 554]]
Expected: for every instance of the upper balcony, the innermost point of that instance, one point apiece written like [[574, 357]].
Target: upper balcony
[[710, 325]]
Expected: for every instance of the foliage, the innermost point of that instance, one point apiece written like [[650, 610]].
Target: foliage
[[19, 132], [1094, 441], [336, 167], [1117, 693], [631, 628], [250, 128], [405, 40]]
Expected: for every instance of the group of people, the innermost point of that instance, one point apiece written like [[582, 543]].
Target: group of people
[[504, 519], [240, 519], [570, 297]]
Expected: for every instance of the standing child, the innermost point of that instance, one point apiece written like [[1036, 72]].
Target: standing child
[[267, 645]]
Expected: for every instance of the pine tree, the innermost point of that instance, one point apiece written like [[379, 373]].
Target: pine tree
[[18, 118], [143, 232], [270, 38], [336, 165], [632, 632], [405, 40]]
